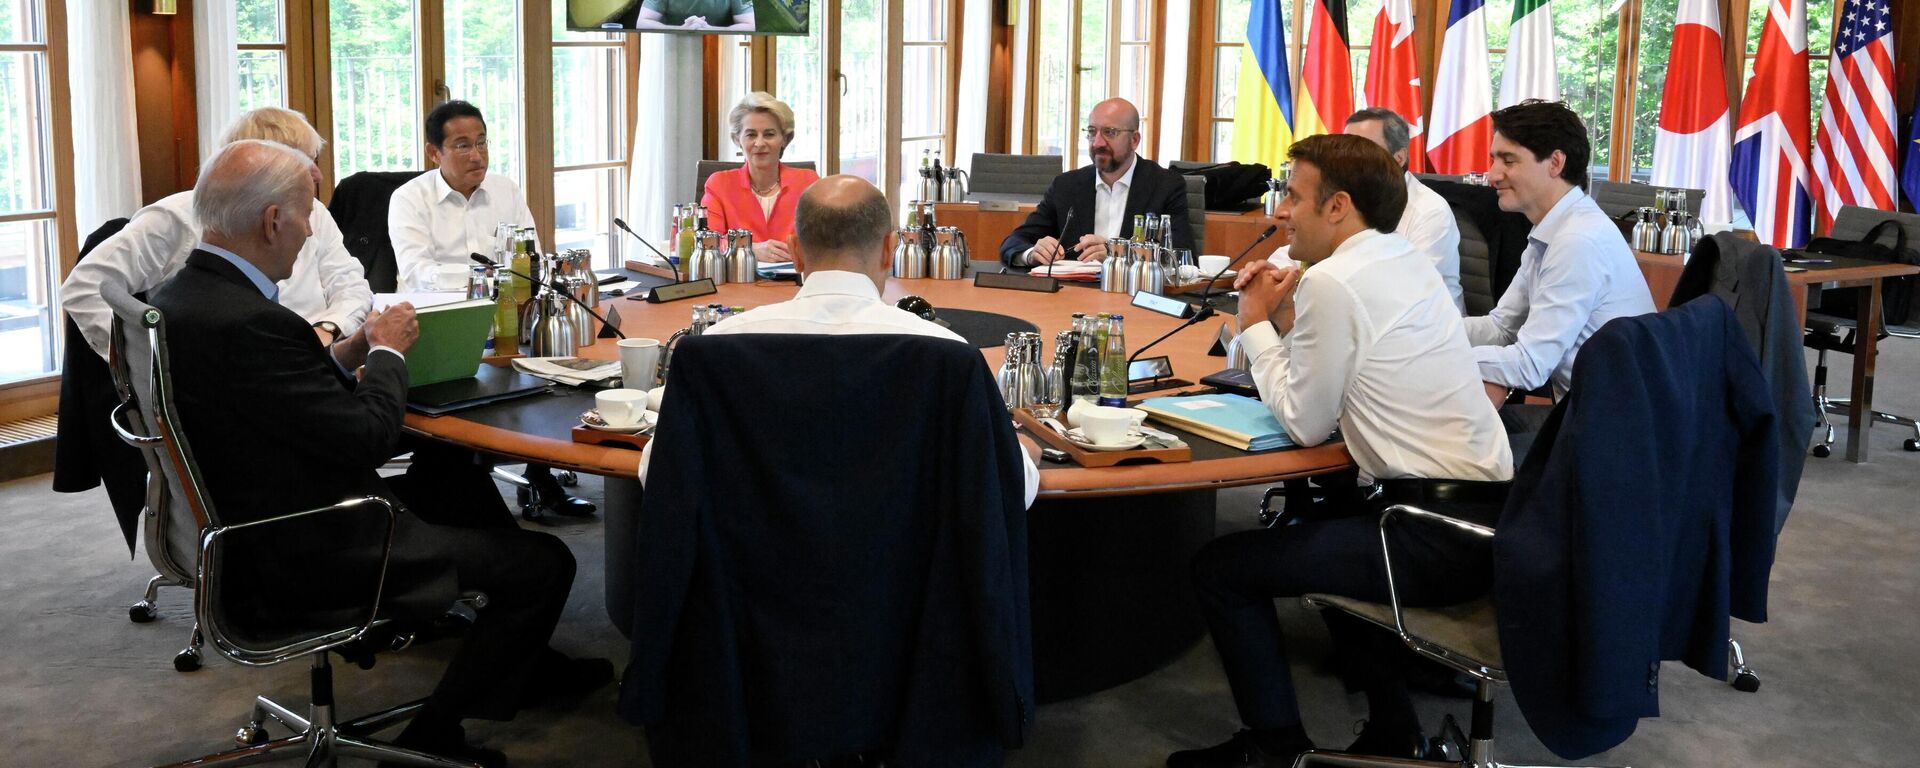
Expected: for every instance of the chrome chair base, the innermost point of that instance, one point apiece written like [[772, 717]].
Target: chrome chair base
[[318, 740], [1839, 405], [146, 612]]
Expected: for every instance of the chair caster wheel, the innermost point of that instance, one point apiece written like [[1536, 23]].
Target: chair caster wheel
[[187, 660], [1911, 444], [1747, 682], [1823, 451], [250, 735], [142, 612]]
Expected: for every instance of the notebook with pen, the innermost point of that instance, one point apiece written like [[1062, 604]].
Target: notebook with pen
[[1241, 422]]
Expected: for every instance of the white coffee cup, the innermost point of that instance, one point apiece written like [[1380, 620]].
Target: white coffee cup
[[1189, 273], [639, 361], [621, 407], [655, 396], [1106, 425], [1211, 265]]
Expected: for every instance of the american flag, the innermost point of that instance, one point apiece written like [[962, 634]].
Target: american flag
[[1853, 159]]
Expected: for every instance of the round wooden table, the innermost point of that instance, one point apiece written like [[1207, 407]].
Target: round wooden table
[[1110, 548]]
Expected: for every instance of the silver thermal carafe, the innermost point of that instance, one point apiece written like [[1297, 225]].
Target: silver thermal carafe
[[954, 189], [1646, 233], [950, 255], [742, 267], [909, 262], [1673, 236], [1118, 267], [707, 261], [553, 332], [1148, 275]]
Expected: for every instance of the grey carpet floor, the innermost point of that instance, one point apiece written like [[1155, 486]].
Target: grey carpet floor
[[82, 686]]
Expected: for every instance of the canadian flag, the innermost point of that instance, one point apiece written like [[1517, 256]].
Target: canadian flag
[[1393, 79], [1694, 144]]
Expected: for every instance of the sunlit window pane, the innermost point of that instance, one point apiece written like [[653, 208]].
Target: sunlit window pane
[[1095, 86], [584, 205], [1222, 142], [1226, 79], [29, 317], [1230, 22], [924, 69], [797, 82], [26, 170], [924, 21], [376, 90], [1050, 91], [20, 21], [1586, 37], [262, 77], [862, 106], [257, 21], [589, 112], [483, 67]]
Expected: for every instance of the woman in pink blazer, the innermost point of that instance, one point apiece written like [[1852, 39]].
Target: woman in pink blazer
[[759, 196]]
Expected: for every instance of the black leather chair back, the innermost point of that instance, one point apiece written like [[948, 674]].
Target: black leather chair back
[[360, 208]]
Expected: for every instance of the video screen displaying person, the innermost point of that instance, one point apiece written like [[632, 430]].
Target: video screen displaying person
[[772, 17]]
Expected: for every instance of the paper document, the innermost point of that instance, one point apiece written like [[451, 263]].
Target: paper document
[[419, 299], [572, 371]]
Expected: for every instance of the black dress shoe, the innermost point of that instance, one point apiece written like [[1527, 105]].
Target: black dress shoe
[[559, 678], [1401, 742], [567, 506], [1238, 752], [449, 743]]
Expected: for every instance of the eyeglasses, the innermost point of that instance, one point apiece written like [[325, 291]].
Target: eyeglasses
[[1112, 134], [464, 148]]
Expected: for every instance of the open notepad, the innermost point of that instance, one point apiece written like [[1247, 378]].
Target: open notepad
[[1241, 422]]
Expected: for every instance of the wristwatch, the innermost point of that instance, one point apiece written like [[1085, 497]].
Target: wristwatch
[[330, 327]]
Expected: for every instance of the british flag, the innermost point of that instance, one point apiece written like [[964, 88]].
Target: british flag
[[1770, 169], [1854, 156]]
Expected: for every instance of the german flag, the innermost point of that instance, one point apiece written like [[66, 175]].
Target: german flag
[[1326, 72]]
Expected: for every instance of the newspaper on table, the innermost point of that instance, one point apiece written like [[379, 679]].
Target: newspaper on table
[[572, 371]]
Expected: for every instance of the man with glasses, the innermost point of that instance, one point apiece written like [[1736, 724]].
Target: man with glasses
[[440, 217], [1097, 203]]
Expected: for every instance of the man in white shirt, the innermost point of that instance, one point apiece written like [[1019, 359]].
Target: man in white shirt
[[841, 228], [328, 286], [441, 217], [1367, 341], [1086, 207], [1576, 273]]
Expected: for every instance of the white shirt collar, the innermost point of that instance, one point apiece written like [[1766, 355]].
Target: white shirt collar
[[834, 282], [1124, 182], [442, 190], [1549, 226]]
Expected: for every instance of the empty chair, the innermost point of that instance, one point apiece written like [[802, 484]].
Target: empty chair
[[1832, 328], [1619, 199], [1021, 178]]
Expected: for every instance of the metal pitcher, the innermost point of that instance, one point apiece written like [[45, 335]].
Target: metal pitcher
[[1148, 275], [955, 190], [1117, 268], [1646, 234], [707, 260], [909, 262], [742, 267], [553, 331], [949, 255]]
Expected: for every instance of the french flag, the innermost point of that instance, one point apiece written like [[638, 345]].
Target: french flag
[[1461, 128], [1771, 170], [1691, 145]]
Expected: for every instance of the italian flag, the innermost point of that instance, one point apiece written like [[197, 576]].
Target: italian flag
[[1530, 72]]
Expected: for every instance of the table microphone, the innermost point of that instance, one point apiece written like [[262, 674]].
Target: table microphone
[[1205, 311], [1056, 241], [643, 241], [1206, 299], [553, 286]]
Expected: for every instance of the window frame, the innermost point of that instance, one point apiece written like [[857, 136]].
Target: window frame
[[39, 395], [1151, 105]]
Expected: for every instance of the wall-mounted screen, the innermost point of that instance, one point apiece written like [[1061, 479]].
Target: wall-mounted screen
[[697, 17]]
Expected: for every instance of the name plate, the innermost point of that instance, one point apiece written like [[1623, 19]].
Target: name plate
[[1015, 281], [677, 291], [1166, 305]]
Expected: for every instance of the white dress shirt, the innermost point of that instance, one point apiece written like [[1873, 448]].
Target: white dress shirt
[[837, 303], [1109, 206], [1428, 223], [1575, 275], [432, 224], [328, 284], [1378, 350]]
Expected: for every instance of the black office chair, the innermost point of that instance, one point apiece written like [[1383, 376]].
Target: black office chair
[[1018, 178], [1832, 328], [229, 610]]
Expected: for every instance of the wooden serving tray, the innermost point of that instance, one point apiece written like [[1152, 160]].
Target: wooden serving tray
[[1088, 458], [596, 437], [1223, 285]]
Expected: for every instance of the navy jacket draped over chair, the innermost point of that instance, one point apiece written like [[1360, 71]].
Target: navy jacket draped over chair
[[1643, 519], [832, 554]]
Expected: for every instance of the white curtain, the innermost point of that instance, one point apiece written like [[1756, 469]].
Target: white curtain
[[1173, 103], [216, 81], [667, 141], [106, 162], [976, 56]]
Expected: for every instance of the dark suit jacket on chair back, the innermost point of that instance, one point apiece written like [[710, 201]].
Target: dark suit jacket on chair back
[[1154, 190], [87, 453], [838, 569], [1641, 520], [359, 206]]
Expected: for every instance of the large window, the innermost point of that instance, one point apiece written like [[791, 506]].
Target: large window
[[589, 139], [863, 88], [260, 54], [1088, 51], [376, 86], [30, 208], [483, 67], [1586, 38], [924, 121], [798, 81]]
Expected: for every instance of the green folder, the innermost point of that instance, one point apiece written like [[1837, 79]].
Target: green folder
[[452, 338]]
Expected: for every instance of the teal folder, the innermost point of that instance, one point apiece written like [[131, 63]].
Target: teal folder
[[452, 339], [1241, 422]]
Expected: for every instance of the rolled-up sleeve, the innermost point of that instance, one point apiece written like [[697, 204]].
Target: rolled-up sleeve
[[1558, 301], [142, 254]]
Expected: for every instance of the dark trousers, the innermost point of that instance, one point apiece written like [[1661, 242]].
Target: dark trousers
[[450, 486], [526, 576], [1239, 575]]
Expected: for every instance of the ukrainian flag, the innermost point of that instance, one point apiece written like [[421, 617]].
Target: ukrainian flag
[[1263, 105]]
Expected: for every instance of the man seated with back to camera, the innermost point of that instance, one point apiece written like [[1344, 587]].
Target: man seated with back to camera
[[280, 425], [842, 229], [1102, 198], [1368, 341], [439, 219], [1575, 275]]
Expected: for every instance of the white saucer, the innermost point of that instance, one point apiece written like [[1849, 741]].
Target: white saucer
[[1132, 440], [646, 423]]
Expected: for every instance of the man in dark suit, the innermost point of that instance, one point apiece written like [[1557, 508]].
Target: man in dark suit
[[1097, 203], [280, 424]]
